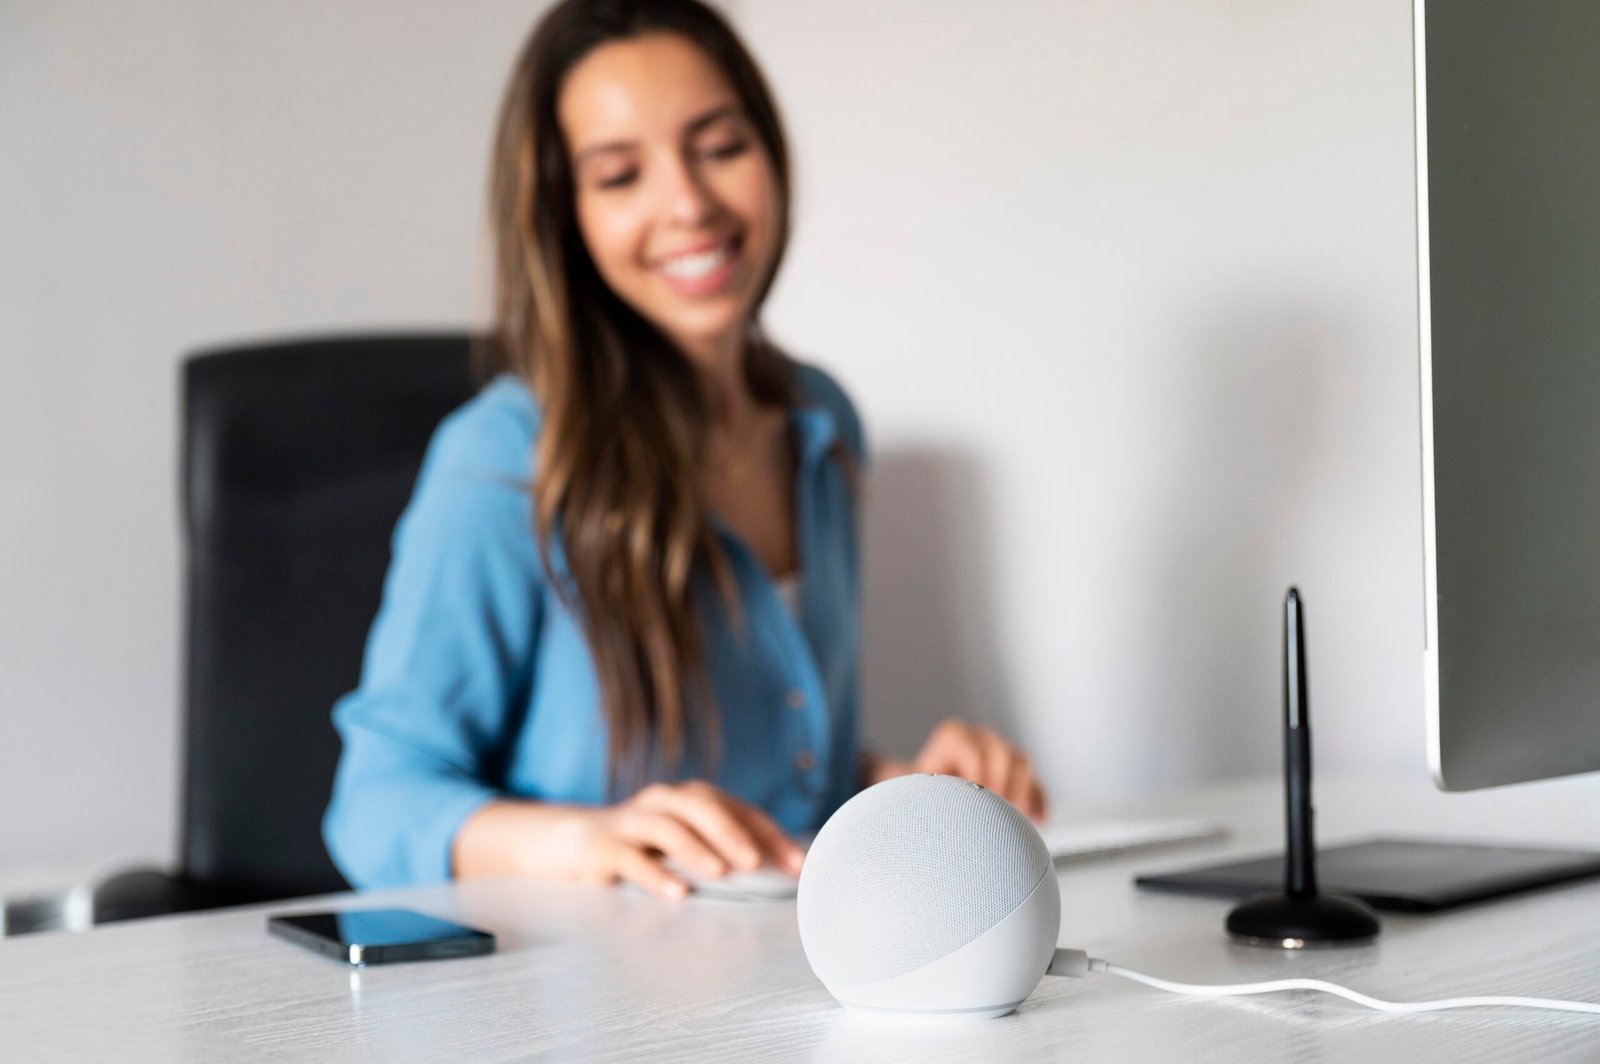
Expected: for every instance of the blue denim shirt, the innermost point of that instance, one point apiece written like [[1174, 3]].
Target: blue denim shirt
[[478, 683]]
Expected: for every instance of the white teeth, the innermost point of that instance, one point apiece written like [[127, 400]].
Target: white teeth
[[697, 265]]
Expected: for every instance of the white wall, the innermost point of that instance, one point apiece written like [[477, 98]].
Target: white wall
[[177, 173], [1125, 290]]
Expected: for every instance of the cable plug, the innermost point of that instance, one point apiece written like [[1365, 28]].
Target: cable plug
[[1074, 963]]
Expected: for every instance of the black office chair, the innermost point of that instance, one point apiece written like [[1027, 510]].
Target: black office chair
[[297, 460]]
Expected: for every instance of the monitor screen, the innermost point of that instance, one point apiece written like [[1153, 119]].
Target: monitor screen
[[1508, 196]]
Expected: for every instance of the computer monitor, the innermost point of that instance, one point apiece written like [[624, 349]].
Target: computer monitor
[[1508, 241], [1508, 208]]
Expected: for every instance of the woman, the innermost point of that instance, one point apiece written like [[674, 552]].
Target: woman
[[621, 621]]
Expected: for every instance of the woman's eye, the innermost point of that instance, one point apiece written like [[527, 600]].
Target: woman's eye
[[622, 179], [729, 150]]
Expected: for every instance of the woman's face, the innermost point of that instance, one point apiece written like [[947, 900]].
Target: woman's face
[[677, 200]]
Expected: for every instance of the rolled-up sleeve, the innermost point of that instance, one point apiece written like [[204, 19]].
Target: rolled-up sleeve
[[447, 659]]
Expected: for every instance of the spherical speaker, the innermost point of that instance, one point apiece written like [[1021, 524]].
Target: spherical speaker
[[929, 894]]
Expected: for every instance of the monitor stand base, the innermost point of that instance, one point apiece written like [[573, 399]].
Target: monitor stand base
[[1289, 921]]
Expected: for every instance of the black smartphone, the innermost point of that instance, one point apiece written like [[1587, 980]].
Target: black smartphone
[[381, 936]]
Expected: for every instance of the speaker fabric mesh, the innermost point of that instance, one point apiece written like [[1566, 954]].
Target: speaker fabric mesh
[[910, 871]]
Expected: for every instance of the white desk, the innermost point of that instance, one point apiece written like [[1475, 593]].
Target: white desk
[[593, 974]]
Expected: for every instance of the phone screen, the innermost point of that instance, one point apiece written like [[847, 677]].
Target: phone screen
[[373, 936]]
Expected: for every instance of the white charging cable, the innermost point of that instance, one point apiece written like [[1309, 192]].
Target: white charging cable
[[1075, 962]]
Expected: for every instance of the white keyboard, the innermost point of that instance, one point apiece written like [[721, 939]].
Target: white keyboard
[[1066, 841], [1097, 838]]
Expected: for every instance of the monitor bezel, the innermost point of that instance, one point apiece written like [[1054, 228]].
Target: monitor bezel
[[1430, 553]]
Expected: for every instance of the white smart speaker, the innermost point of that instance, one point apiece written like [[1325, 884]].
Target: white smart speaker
[[929, 894]]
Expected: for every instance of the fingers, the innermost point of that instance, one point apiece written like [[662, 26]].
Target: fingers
[[1010, 775], [632, 865], [1037, 800], [723, 831], [978, 754], [668, 835], [998, 758], [953, 751], [738, 834], [783, 851], [1025, 792]]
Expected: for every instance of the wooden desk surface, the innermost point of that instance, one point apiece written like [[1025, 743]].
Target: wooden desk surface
[[593, 974]]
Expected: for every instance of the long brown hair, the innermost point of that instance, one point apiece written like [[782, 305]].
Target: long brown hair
[[625, 423]]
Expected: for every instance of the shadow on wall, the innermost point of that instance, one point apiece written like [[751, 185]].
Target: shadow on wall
[[1233, 519], [1230, 484], [931, 643]]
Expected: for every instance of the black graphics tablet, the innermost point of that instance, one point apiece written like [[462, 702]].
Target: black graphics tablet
[[1400, 875]]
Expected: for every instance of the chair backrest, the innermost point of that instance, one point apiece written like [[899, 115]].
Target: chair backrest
[[298, 458]]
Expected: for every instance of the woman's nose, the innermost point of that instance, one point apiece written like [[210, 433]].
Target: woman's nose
[[686, 199]]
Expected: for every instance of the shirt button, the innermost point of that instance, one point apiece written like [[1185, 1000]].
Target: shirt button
[[796, 698], [803, 761]]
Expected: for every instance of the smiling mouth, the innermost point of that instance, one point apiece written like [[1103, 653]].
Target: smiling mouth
[[699, 266]]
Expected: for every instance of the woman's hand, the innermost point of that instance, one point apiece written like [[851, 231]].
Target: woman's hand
[[701, 828], [956, 748], [704, 829]]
